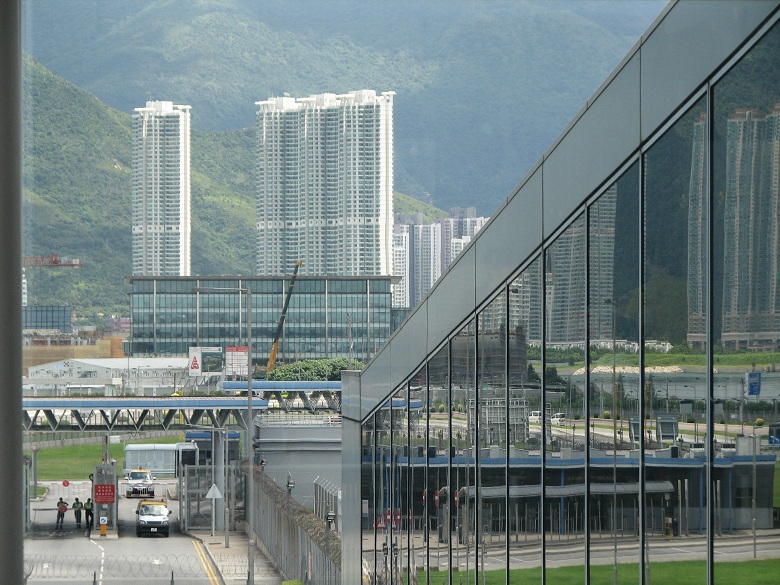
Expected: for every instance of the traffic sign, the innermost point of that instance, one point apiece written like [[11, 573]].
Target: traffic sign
[[105, 493], [436, 498], [65, 482], [214, 493]]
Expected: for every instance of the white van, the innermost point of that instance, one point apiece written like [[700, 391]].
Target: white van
[[535, 416]]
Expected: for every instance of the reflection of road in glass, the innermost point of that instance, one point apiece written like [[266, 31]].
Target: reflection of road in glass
[[687, 386]]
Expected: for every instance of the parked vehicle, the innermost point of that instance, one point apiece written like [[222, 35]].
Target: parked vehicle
[[535, 416], [558, 418]]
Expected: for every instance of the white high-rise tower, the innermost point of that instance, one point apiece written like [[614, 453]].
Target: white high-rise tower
[[161, 190], [325, 184]]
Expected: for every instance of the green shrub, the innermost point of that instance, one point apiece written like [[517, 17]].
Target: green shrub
[[760, 422], [606, 414]]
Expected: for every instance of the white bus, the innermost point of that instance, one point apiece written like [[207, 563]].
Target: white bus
[[160, 458]]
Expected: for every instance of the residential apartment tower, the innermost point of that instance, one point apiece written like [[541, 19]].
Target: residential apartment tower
[[161, 230]]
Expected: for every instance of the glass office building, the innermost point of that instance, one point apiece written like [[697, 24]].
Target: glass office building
[[631, 283], [47, 317], [327, 316]]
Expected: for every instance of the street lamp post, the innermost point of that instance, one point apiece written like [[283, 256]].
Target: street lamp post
[[250, 424]]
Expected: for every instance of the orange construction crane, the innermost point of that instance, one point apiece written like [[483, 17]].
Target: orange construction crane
[[275, 347], [52, 260]]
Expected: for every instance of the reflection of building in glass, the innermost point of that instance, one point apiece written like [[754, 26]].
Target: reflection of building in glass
[[565, 287], [525, 314], [325, 184], [751, 271], [697, 235], [602, 217], [563, 243], [161, 190]]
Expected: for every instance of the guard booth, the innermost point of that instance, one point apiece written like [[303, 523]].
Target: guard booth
[[105, 487]]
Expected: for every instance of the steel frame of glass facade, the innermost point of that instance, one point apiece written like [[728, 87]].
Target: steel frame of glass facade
[[327, 317], [649, 227]]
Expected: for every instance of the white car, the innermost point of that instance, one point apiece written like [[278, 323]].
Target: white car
[[558, 418], [140, 482], [535, 416]]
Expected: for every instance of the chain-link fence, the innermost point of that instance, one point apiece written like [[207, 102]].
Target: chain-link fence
[[301, 545]]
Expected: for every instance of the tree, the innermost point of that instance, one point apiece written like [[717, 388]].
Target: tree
[[314, 370]]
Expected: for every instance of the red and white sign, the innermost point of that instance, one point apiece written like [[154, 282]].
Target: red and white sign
[[65, 482], [196, 359], [457, 499], [436, 498], [236, 360], [104, 493]]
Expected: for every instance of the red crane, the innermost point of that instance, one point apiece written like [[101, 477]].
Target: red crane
[[52, 260]]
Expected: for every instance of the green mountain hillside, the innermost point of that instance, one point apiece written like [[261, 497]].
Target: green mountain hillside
[[482, 88], [77, 197]]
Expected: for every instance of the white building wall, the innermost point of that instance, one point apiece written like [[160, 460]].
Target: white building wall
[[325, 184], [161, 198], [401, 294]]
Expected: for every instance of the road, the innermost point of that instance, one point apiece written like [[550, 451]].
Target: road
[[68, 555]]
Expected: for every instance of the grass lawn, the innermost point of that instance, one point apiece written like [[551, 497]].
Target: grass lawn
[[763, 572], [76, 462]]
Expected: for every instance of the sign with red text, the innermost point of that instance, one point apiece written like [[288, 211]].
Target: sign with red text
[[235, 360], [104, 493]]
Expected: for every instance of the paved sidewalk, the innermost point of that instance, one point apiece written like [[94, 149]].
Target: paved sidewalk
[[232, 561]]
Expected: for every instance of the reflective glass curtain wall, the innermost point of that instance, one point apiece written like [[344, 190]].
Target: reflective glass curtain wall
[[633, 430]]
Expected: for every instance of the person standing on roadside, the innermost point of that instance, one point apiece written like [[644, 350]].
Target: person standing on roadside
[[62, 507], [88, 506], [77, 507]]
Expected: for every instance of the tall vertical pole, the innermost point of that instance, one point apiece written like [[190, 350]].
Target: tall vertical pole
[[614, 446], [250, 486], [11, 458]]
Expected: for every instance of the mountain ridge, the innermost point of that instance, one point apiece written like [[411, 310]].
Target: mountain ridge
[[482, 88]]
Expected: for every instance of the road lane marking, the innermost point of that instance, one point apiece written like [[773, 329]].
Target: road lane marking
[[200, 550]]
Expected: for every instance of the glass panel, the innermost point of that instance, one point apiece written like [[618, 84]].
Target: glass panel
[[418, 496], [493, 431], [440, 460], [466, 442], [564, 353], [614, 427], [370, 474], [384, 493], [746, 293], [399, 482], [675, 302], [524, 481]]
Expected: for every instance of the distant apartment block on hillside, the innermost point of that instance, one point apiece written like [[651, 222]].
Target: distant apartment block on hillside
[[161, 225], [423, 251], [325, 184]]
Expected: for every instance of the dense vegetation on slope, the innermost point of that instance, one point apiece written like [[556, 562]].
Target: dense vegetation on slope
[[482, 88], [77, 197]]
